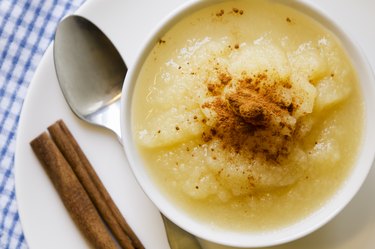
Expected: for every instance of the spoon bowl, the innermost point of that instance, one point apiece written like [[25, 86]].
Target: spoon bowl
[[90, 71]]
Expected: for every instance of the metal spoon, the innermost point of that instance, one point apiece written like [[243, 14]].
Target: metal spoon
[[91, 73]]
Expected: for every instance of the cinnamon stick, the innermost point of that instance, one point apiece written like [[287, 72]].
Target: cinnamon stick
[[74, 197], [93, 185]]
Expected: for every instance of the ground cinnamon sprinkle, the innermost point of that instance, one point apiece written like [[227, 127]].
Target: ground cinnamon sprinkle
[[220, 13], [253, 116]]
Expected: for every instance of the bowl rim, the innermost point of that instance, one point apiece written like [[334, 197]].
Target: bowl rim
[[291, 232]]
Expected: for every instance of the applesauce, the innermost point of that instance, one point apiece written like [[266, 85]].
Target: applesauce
[[243, 113]]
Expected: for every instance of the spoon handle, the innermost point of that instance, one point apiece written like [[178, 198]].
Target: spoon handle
[[108, 117], [178, 238]]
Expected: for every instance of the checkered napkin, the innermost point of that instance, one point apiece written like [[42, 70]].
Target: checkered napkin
[[26, 29]]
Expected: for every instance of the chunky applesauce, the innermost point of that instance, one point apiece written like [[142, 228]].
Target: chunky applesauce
[[248, 114]]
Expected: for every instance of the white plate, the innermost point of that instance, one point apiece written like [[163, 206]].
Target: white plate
[[44, 219]]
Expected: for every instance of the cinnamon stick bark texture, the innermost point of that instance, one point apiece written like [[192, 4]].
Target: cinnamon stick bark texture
[[74, 197], [93, 185]]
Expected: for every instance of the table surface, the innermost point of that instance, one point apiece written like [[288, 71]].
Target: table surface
[[26, 29]]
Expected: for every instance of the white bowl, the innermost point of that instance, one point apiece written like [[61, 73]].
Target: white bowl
[[251, 239]]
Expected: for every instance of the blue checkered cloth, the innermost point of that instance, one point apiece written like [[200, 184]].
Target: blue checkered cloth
[[26, 29]]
